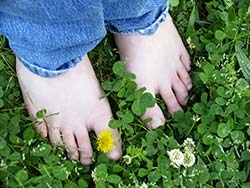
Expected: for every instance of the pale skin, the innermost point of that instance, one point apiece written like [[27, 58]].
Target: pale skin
[[161, 64]]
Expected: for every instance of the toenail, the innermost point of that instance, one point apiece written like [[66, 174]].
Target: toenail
[[115, 154], [189, 86], [156, 122], [86, 161], [73, 156]]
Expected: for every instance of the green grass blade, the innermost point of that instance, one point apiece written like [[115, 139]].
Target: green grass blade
[[244, 62]]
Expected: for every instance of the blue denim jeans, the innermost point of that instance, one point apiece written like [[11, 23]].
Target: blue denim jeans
[[51, 36]]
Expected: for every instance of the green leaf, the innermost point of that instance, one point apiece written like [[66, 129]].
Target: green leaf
[[137, 109], [223, 130], [238, 137], [204, 77], [82, 183], [219, 35], [115, 179], [221, 101], [41, 150], [142, 172], [100, 184], [202, 128], [128, 117], [15, 156], [163, 163], [2, 143], [151, 137], [29, 133], [244, 62], [117, 86], [147, 100], [22, 175], [114, 124], [119, 68], [107, 86], [117, 168], [1, 64], [60, 172], [1, 103], [245, 155], [174, 3], [101, 171], [203, 177], [41, 113], [208, 69], [154, 176], [208, 139], [216, 109], [199, 108], [70, 185], [211, 47], [1, 92]]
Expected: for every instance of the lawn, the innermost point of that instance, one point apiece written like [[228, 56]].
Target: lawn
[[206, 146]]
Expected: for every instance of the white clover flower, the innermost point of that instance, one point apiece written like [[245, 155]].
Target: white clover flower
[[94, 176], [144, 185], [127, 159], [190, 43], [189, 159], [176, 157], [196, 118], [188, 144]]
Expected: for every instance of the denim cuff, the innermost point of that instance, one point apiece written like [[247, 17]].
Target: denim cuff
[[154, 26], [149, 30], [50, 73]]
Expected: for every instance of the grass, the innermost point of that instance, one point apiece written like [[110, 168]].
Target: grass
[[217, 117]]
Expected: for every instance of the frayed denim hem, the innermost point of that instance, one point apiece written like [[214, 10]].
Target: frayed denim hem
[[50, 73]]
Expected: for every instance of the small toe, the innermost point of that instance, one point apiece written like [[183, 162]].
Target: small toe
[[54, 135], [180, 91], [185, 59], [156, 115], [168, 96], [185, 78], [41, 128], [70, 144], [84, 145]]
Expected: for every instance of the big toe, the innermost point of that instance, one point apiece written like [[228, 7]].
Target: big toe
[[156, 115], [101, 125]]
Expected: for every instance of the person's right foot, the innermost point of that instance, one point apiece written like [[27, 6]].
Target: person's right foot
[[75, 96]]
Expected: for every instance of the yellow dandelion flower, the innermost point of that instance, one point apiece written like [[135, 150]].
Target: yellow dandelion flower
[[105, 141]]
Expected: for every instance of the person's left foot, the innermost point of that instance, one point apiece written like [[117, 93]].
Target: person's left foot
[[161, 64]]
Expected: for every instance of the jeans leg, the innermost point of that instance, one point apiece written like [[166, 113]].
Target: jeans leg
[[50, 37], [134, 16]]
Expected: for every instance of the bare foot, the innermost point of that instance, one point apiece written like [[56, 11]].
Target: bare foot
[[161, 64], [75, 96]]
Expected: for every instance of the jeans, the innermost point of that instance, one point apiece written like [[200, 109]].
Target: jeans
[[52, 36]]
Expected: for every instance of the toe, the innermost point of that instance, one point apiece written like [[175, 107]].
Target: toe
[[170, 100], [101, 125], [54, 135], [84, 146], [70, 144], [185, 78], [41, 128], [180, 91], [185, 59], [156, 115]]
